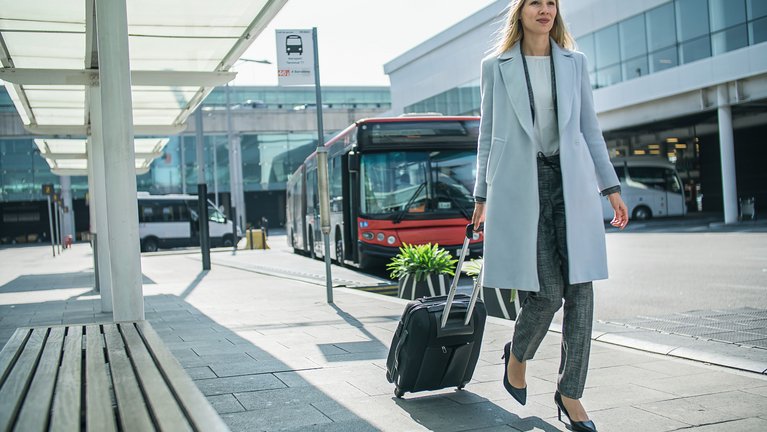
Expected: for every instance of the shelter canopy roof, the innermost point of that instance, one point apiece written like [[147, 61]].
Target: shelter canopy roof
[[179, 51]]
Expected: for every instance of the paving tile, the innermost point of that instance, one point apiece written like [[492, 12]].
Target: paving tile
[[630, 419], [762, 391], [744, 425], [275, 419], [737, 403], [615, 396], [224, 404], [712, 382], [259, 367], [202, 372], [217, 386], [344, 426], [688, 411], [675, 367]]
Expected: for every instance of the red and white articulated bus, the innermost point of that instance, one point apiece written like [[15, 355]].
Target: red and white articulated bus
[[392, 181]]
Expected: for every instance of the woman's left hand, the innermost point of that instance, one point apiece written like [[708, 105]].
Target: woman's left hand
[[621, 218]]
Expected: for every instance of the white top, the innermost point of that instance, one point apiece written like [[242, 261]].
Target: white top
[[546, 130]]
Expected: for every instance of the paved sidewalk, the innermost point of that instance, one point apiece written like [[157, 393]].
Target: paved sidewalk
[[270, 354]]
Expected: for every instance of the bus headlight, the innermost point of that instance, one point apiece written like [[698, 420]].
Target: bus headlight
[[367, 235], [391, 240], [380, 237]]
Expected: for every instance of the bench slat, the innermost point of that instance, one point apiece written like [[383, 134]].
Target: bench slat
[[40, 395], [98, 401], [12, 392], [132, 411], [166, 410], [66, 398], [11, 351], [203, 416]]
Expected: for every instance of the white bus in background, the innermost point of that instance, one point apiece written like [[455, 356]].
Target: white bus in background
[[167, 221], [649, 187]]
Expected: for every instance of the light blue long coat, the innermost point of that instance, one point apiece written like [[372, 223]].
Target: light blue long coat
[[507, 173]]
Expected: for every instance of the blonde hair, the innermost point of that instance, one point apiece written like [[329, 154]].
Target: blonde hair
[[512, 31]]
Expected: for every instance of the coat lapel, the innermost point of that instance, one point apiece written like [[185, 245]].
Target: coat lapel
[[513, 75], [564, 68]]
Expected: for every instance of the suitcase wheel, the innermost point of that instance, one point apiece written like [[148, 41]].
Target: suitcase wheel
[[398, 392], [460, 387]]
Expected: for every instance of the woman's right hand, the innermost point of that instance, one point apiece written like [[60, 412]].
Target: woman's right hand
[[479, 215]]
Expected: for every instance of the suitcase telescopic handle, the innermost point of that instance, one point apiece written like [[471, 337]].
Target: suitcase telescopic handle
[[454, 285]]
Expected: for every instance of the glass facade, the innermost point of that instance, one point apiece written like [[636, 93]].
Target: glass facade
[[675, 33], [267, 158], [23, 172], [299, 97], [462, 100]]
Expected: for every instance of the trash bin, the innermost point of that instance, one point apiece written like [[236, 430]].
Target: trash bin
[[747, 208]]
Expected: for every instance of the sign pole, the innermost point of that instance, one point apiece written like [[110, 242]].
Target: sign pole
[[56, 216], [50, 222], [322, 171]]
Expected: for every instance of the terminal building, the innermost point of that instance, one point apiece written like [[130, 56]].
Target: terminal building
[[275, 126], [680, 80]]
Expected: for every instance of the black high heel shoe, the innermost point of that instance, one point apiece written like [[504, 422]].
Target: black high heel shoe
[[575, 426], [519, 394]]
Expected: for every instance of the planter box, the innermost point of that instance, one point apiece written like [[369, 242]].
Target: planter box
[[501, 302], [432, 285]]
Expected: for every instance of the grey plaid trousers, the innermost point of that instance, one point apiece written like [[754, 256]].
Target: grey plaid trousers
[[539, 308]]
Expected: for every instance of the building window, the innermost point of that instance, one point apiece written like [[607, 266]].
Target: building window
[[757, 9], [691, 19], [758, 31], [633, 39], [661, 29], [635, 68], [663, 59], [726, 13], [695, 49], [729, 40]]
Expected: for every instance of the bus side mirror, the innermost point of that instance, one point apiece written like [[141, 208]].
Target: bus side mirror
[[354, 162]]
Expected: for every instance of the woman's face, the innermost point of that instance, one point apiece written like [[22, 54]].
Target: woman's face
[[538, 16]]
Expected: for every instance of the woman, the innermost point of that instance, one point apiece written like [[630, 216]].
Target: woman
[[541, 165]]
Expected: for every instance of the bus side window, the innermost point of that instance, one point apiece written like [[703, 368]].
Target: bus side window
[[650, 177], [145, 212]]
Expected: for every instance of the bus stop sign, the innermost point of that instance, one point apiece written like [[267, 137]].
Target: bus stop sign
[[48, 189]]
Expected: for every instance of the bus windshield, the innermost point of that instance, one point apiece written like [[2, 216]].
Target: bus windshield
[[411, 184]]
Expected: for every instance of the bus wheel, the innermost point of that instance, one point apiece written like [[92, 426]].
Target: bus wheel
[[642, 213], [150, 244], [228, 241]]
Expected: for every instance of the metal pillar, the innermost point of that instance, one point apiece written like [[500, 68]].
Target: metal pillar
[[57, 225], [92, 213], [183, 164], [50, 222], [99, 202], [233, 185], [727, 152], [202, 192], [119, 159], [68, 215]]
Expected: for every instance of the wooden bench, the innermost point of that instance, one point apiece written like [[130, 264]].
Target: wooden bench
[[100, 377]]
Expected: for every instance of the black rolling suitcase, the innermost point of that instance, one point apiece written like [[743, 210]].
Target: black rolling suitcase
[[437, 342]]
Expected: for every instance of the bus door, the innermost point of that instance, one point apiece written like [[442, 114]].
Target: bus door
[[312, 211], [194, 223], [647, 185], [674, 194]]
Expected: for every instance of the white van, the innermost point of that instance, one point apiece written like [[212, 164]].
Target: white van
[[167, 221], [650, 188]]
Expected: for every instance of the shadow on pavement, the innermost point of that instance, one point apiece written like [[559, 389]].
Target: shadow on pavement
[[53, 281], [432, 412]]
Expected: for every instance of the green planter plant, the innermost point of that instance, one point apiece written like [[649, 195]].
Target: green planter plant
[[422, 270], [499, 303]]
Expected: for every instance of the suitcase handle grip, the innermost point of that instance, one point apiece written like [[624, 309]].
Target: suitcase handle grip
[[454, 284]]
